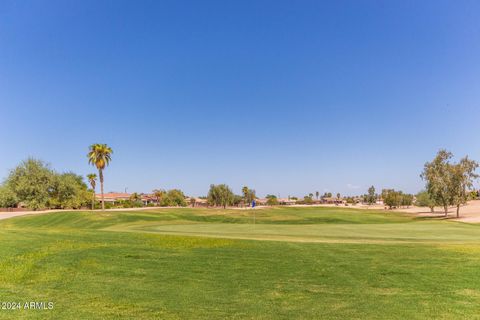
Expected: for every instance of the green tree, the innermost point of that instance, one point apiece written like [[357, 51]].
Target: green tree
[[220, 195], [31, 182], [8, 198], [447, 182], [473, 195], [271, 200], [68, 191], [463, 175], [406, 199], [308, 199], [371, 197], [100, 156], [173, 198], [392, 198], [395, 199], [237, 200], [438, 177], [317, 194], [159, 194], [338, 195], [92, 179], [425, 200]]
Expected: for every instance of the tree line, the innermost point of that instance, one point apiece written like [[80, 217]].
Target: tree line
[[34, 184]]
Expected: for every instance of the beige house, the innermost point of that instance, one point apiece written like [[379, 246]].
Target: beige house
[[286, 201], [112, 197]]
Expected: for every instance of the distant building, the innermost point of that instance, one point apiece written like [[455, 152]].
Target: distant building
[[149, 199], [261, 202], [286, 201], [332, 200], [113, 197]]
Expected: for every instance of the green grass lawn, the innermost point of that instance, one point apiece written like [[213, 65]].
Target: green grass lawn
[[294, 263]]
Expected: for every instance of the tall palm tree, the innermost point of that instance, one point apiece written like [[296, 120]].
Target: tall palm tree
[[92, 179], [245, 191], [100, 156]]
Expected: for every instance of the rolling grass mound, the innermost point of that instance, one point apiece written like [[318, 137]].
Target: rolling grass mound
[[294, 263]]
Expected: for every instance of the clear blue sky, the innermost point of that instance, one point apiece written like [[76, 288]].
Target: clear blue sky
[[287, 97]]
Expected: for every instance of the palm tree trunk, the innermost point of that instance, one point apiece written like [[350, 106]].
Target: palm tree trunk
[[100, 173], [93, 200]]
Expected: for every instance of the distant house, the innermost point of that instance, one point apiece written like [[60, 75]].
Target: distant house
[[113, 197], [286, 201], [332, 200], [261, 202], [149, 199]]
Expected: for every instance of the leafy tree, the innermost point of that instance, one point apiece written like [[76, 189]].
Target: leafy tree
[[100, 156], [473, 195], [438, 177], [392, 198], [317, 194], [271, 200], [327, 195], [68, 191], [371, 197], [8, 198], [159, 194], [425, 200], [447, 183], [308, 199], [92, 179], [237, 199], [31, 182], [406, 199], [220, 195], [193, 201], [173, 198], [338, 195], [463, 175]]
